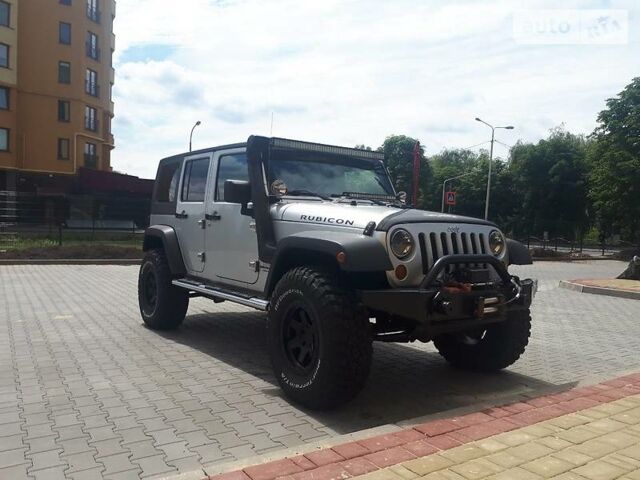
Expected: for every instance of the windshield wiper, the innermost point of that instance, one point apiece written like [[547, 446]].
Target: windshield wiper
[[302, 192]]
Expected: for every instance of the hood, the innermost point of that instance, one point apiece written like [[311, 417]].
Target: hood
[[332, 213], [358, 216], [413, 215]]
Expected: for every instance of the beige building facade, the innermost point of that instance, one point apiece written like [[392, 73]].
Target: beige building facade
[[56, 78]]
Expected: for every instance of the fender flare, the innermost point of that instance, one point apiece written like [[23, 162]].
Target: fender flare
[[518, 253], [167, 235], [363, 253]]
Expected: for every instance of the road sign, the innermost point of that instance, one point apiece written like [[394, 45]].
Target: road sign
[[450, 198]]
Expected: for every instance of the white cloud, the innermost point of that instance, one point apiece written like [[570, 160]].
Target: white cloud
[[347, 72]]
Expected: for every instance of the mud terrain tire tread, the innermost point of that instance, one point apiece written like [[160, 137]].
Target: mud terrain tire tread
[[172, 302], [345, 338], [502, 345]]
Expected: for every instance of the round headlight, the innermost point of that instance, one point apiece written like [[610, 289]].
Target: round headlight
[[402, 243], [496, 243]]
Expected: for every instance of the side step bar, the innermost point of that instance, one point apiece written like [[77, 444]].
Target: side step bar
[[207, 291]]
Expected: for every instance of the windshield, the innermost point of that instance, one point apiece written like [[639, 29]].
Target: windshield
[[331, 177]]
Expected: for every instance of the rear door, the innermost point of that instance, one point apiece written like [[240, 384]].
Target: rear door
[[190, 208], [232, 245]]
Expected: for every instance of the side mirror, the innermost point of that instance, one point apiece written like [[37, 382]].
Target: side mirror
[[237, 191]]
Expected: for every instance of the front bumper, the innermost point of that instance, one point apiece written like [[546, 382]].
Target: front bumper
[[438, 307]]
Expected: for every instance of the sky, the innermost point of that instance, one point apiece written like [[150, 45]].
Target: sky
[[350, 72]]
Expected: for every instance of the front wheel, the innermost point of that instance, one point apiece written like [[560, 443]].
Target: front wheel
[[493, 348], [162, 305], [319, 339]]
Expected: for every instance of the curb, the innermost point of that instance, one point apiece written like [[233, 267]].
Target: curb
[[371, 454], [71, 261], [569, 259], [610, 292]]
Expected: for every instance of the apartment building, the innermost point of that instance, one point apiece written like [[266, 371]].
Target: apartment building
[[56, 78]]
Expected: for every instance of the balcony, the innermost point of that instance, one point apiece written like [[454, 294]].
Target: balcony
[[91, 160], [93, 13], [92, 51]]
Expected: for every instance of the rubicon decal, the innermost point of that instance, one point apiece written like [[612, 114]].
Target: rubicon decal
[[337, 221]]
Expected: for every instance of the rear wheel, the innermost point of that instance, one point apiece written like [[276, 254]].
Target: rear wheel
[[491, 349], [319, 339], [163, 306]]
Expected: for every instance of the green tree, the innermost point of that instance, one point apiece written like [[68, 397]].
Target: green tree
[[614, 158], [550, 185], [472, 187], [398, 150]]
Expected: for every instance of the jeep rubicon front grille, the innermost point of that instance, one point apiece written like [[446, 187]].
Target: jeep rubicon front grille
[[435, 245]]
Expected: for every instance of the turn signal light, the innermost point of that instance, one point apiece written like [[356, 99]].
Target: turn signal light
[[401, 272], [341, 257]]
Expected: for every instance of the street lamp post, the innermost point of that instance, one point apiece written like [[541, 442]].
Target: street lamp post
[[444, 186], [493, 132], [191, 134]]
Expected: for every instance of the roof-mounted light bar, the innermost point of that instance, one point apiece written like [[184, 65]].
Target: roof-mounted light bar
[[285, 144]]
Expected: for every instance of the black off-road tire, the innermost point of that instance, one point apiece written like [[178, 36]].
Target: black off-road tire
[[500, 346], [166, 309], [336, 367]]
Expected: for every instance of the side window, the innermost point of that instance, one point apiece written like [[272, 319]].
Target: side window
[[167, 182], [194, 183], [231, 167]]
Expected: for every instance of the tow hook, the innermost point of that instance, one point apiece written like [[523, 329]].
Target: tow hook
[[487, 306]]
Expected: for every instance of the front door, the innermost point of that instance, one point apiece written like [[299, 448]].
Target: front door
[[190, 223], [232, 245]]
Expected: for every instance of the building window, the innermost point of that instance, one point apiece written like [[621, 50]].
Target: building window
[[92, 46], [4, 55], [5, 97], [5, 14], [64, 33], [90, 155], [64, 111], [91, 83], [65, 2], [63, 149], [90, 118], [4, 139], [93, 12], [64, 72]]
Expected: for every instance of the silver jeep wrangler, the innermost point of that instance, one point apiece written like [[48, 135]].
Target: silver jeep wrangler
[[317, 237]]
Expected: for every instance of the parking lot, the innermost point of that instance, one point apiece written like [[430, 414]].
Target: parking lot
[[86, 391]]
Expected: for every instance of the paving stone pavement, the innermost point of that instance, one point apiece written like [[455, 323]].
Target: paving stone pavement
[[599, 443], [86, 391], [586, 433]]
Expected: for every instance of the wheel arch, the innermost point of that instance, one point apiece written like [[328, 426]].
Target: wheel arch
[[363, 254], [164, 237], [518, 253]]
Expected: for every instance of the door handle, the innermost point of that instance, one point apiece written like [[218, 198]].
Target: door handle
[[183, 214], [212, 216]]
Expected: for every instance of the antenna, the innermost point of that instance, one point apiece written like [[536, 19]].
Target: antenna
[[271, 133]]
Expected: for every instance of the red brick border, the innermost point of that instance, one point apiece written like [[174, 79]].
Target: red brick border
[[370, 454]]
